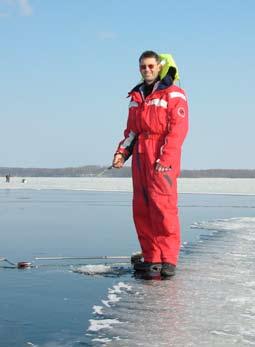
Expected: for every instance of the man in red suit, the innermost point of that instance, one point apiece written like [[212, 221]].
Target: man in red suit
[[156, 128]]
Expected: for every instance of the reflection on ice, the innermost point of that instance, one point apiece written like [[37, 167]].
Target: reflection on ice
[[210, 301]]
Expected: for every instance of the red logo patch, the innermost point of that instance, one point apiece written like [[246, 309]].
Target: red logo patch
[[181, 112]]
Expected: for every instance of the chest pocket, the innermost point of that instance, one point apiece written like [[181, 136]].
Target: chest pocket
[[158, 103], [156, 115]]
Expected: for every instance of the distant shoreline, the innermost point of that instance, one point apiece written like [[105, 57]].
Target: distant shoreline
[[103, 171]]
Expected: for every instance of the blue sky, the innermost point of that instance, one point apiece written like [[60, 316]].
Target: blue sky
[[66, 67]]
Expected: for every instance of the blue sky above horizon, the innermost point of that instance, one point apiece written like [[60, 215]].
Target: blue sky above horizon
[[66, 68]]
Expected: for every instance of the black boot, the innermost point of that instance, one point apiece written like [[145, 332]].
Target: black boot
[[147, 267], [168, 270]]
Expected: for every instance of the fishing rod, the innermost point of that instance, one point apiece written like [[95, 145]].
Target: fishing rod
[[6, 260], [101, 173], [101, 257], [136, 257]]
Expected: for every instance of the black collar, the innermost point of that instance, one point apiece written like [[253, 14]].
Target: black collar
[[148, 88], [166, 82]]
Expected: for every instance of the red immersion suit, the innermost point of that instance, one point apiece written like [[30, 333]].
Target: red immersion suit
[[156, 128]]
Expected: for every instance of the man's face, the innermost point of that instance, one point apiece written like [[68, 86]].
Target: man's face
[[149, 68]]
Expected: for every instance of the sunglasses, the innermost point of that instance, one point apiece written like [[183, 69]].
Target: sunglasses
[[150, 66]]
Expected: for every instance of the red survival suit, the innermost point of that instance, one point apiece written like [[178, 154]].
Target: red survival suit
[[156, 128]]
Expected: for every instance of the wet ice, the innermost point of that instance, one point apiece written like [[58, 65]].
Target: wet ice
[[210, 302]]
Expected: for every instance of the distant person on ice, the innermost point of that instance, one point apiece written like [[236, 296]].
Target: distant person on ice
[[156, 128], [7, 178]]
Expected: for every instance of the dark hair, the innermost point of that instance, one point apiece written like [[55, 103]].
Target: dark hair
[[149, 54]]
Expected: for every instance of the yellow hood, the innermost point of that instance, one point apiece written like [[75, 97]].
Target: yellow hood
[[167, 61]]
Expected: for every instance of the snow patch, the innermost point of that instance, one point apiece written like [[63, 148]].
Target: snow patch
[[96, 325], [117, 288], [112, 293], [98, 310], [104, 340]]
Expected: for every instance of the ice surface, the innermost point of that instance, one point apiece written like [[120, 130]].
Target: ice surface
[[185, 185], [70, 183], [210, 301], [232, 224]]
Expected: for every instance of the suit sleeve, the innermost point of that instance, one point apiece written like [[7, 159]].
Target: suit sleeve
[[170, 151], [126, 145]]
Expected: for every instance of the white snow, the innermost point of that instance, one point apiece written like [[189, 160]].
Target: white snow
[[185, 185], [96, 325], [113, 292], [97, 310], [106, 303], [117, 288], [101, 340], [114, 297]]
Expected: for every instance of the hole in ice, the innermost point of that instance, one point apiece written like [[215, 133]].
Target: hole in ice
[[101, 269]]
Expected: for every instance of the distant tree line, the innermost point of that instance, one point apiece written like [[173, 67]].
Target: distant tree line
[[102, 171], [227, 173], [83, 171]]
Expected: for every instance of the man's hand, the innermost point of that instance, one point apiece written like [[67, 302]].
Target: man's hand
[[162, 168], [118, 161]]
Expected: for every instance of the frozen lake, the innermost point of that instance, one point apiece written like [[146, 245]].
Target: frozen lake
[[185, 185], [210, 301]]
